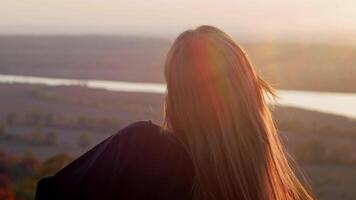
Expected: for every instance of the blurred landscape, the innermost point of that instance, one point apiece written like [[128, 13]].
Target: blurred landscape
[[42, 128]]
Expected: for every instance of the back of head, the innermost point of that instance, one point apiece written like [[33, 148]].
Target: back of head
[[216, 105]]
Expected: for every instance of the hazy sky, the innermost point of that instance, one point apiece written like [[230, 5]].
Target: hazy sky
[[268, 18]]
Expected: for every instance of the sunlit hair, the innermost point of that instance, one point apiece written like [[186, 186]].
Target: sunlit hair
[[216, 105]]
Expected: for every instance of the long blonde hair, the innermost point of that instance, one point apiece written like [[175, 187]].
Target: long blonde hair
[[216, 106]]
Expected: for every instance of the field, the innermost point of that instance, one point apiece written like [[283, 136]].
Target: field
[[40, 122]]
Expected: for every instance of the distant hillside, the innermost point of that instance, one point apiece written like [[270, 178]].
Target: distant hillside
[[321, 67], [300, 120], [318, 67]]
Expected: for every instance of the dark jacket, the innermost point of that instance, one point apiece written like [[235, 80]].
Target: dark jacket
[[138, 162]]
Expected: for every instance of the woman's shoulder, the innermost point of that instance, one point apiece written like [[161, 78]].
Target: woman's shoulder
[[147, 140], [137, 161], [155, 161], [148, 133], [139, 128]]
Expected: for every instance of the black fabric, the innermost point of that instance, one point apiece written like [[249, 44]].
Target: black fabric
[[138, 162]]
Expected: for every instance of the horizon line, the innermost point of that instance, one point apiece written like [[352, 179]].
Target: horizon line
[[306, 39]]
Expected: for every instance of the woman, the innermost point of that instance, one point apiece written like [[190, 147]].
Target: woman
[[218, 139]]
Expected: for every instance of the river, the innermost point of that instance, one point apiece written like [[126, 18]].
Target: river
[[328, 102]]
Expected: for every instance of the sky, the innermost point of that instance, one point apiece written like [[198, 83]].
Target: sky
[[251, 18]]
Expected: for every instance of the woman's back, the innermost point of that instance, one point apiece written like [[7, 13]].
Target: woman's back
[[216, 101], [139, 162], [226, 145]]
